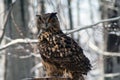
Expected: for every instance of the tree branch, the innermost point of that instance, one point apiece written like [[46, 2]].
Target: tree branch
[[37, 66], [101, 52], [6, 20], [90, 26], [16, 41], [112, 74]]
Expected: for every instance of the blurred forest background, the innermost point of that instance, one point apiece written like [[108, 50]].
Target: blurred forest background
[[94, 24]]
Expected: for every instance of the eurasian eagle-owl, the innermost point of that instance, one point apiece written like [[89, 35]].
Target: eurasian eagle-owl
[[61, 55]]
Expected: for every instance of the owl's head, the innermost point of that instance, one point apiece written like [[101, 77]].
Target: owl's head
[[47, 21]]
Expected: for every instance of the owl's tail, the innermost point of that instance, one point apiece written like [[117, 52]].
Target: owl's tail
[[76, 76]]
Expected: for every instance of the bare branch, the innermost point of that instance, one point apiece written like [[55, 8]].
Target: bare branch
[[37, 66], [112, 75], [16, 41], [6, 20], [90, 26], [30, 55], [101, 52]]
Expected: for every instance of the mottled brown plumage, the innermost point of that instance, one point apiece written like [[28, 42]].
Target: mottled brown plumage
[[61, 54]]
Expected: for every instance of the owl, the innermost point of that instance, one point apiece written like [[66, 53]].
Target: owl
[[61, 55]]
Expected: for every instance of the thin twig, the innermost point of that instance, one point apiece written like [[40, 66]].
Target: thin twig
[[6, 20], [16, 25]]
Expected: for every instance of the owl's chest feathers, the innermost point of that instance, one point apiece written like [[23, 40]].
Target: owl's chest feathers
[[52, 45], [47, 42], [44, 37]]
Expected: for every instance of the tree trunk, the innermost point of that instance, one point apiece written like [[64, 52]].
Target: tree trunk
[[112, 41], [70, 16], [41, 6], [2, 57], [17, 27]]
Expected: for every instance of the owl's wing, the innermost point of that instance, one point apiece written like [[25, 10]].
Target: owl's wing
[[68, 54]]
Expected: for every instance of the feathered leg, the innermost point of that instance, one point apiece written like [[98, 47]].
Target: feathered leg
[[52, 71]]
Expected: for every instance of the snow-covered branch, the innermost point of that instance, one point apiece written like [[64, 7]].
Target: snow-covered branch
[[16, 41], [92, 25], [112, 74], [37, 66], [102, 52]]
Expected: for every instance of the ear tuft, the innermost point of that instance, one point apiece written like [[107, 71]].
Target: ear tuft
[[53, 14]]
